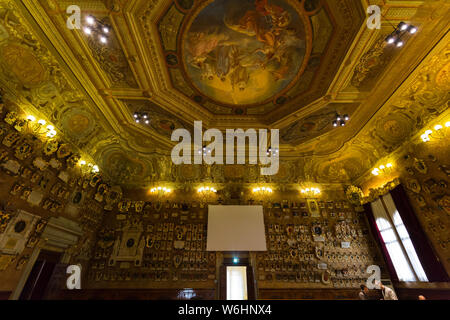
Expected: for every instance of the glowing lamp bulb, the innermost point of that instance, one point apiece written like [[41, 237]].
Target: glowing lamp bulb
[[447, 124], [403, 26], [90, 20], [412, 29], [31, 118], [437, 127], [42, 122]]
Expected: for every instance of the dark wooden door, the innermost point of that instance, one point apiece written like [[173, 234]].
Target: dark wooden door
[[40, 275]]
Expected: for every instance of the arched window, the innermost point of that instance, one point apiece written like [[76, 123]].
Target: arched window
[[397, 240]]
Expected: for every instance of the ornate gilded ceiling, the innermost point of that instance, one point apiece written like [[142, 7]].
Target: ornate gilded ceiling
[[288, 65]]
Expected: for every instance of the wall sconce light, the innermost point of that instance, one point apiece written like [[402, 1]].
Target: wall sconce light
[[262, 190], [87, 168], [206, 190], [160, 191], [39, 128], [382, 169], [438, 132], [206, 193], [310, 191]]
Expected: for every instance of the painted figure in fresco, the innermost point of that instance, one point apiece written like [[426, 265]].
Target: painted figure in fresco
[[200, 44], [256, 46]]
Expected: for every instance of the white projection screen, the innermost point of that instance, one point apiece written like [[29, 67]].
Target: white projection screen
[[236, 228]]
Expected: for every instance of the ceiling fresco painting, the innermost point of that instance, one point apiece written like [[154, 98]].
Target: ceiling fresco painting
[[247, 57], [239, 52], [290, 65]]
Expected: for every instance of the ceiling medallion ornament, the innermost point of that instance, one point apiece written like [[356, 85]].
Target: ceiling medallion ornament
[[244, 53]]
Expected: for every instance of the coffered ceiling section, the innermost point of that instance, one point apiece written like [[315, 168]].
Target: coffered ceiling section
[[283, 64]]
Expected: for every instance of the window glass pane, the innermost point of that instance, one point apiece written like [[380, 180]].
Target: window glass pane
[[401, 264], [404, 237]]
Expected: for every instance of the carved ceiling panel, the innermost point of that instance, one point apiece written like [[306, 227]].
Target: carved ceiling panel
[[301, 62]]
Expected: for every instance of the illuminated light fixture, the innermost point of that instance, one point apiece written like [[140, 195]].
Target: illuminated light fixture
[[50, 128], [396, 35], [160, 190], [95, 169], [98, 28], [141, 117], [403, 26], [235, 260], [262, 190], [272, 151], [447, 124], [382, 169], [438, 127], [206, 190], [310, 191], [82, 163], [425, 137], [90, 20], [31, 118], [51, 133], [340, 120], [42, 122], [205, 150], [390, 39]]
